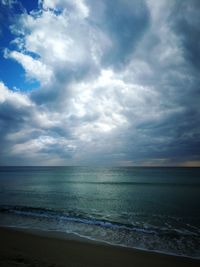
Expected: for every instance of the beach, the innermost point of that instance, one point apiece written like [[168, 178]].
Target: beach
[[23, 248]]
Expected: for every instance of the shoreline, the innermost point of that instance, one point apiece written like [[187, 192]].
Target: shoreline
[[27, 247], [80, 238]]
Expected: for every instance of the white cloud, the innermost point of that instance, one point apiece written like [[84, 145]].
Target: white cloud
[[79, 6], [17, 99], [66, 45], [34, 68]]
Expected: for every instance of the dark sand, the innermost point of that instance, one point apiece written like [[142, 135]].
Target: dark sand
[[20, 248]]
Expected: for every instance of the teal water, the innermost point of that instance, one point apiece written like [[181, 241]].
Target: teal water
[[148, 208]]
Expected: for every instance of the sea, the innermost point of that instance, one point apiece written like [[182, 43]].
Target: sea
[[154, 209]]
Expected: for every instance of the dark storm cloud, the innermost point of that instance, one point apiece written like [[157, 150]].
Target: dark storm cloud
[[12, 119], [125, 22], [176, 135], [58, 149], [185, 22]]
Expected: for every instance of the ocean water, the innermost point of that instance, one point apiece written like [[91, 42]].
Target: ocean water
[[154, 209]]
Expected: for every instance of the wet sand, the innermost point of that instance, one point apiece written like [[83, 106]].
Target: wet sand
[[22, 248]]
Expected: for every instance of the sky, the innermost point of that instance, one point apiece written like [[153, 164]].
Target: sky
[[110, 82]]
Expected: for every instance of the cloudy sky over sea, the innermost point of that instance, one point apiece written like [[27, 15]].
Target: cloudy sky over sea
[[100, 82]]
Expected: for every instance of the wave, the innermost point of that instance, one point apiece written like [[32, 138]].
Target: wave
[[83, 218]]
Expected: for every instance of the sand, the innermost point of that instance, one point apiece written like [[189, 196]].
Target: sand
[[22, 248]]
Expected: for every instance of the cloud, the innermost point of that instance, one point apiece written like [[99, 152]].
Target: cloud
[[35, 69], [16, 99], [23, 125], [186, 27], [75, 7], [125, 22], [118, 86]]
